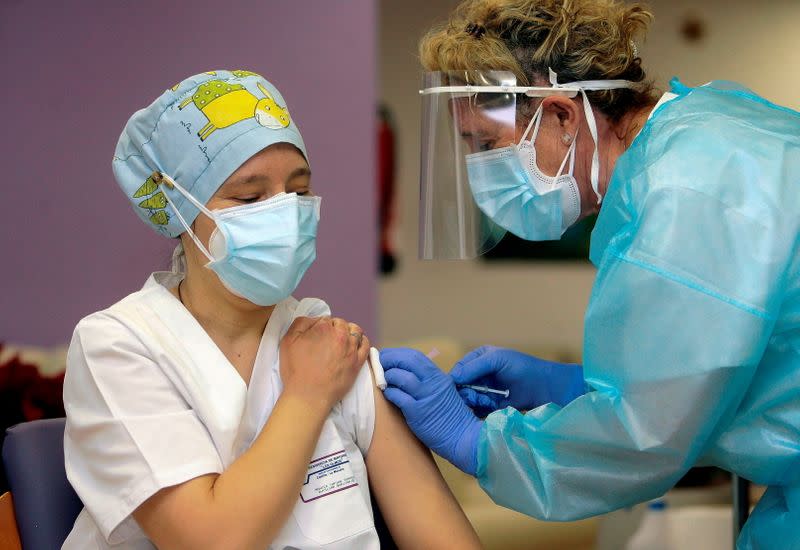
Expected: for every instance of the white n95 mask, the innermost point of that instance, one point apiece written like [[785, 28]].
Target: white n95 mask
[[510, 188], [260, 251]]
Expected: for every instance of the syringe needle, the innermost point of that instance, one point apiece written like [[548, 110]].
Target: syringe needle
[[485, 389]]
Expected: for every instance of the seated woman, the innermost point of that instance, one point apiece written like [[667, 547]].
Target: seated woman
[[210, 409]]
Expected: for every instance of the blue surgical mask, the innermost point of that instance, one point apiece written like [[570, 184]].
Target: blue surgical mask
[[509, 188], [261, 251]]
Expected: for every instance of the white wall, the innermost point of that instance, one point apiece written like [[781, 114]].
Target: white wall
[[755, 43], [540, 306]]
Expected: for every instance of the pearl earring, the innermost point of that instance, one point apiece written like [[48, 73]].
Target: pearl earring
[[566, 139]]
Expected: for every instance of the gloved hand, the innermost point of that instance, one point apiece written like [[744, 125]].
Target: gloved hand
[[432, 407], [531, 381]]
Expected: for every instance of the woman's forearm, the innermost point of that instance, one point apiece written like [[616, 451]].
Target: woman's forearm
[[259, 490], [247, 505]]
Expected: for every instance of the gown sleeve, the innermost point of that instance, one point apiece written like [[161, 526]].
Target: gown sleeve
[[129, 432], [683, 306]]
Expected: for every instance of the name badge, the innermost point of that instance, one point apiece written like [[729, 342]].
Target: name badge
[[327, 475]]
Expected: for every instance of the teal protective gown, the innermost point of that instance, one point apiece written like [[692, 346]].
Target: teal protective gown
[[692, 334]]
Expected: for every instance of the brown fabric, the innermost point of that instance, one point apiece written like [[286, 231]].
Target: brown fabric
[[9, 537], [26, 395]]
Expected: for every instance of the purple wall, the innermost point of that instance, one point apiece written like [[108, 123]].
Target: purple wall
[[75, 71]]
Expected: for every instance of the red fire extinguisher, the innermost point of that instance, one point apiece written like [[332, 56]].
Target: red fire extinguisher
[[386, 188]]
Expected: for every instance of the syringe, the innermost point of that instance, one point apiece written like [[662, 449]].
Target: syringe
[[485, 389]]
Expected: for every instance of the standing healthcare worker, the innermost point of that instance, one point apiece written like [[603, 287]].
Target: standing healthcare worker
[[539, 113]]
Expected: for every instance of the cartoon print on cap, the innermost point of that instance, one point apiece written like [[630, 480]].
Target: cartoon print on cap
[[148, 188], [160, 217], [156, 204], [241, 74], [225, 104], [212, 73]]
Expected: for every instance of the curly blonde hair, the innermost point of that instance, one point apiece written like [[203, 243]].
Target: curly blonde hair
[[578, 39]]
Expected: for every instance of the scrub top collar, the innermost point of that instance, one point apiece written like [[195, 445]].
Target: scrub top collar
[[243, 406]]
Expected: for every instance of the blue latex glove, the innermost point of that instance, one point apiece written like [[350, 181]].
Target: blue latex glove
[[531, 381], [432, 407]]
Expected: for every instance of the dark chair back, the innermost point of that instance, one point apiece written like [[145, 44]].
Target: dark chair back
[[45, 504]]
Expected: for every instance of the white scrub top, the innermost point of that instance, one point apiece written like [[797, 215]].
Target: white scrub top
[[152, 402]]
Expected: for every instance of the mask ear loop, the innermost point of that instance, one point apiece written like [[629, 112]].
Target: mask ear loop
[[172, 183], [534, 123], [571, 156]]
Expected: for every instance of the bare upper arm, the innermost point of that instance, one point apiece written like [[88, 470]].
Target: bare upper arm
[[416, 502], [392, 438]]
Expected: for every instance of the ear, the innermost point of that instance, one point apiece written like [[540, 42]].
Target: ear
[[567, 111], [264, 91]]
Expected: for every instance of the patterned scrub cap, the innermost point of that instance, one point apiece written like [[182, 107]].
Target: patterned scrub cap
[[198, 132]]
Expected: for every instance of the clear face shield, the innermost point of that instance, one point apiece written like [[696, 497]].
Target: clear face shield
[[455, 123], [465, 114]]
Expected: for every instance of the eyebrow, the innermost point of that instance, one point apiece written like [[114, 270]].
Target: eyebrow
[[300, 172], [253, 178]]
